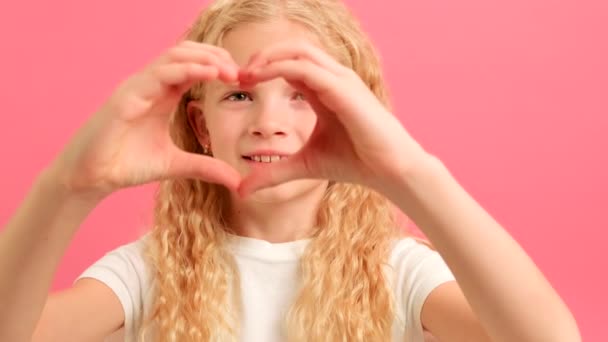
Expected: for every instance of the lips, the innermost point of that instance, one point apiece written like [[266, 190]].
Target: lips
[[267, 153]]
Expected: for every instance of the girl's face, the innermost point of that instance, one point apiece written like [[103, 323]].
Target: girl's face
[[271, 118]]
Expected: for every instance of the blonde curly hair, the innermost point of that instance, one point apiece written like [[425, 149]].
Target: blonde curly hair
[[345, 294]]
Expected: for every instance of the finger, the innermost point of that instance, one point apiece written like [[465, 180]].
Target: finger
[[221, 52], [228, 69], [264, 175], [197, 46], [163, 85], [173, 79], [208, 169], [297, 50], [177, 74], [305, 72], [218, 51]]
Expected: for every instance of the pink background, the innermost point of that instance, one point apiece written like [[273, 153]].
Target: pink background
[[512, 96]]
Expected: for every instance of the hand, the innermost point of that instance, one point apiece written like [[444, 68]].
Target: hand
[[127, 142], [356, 139]]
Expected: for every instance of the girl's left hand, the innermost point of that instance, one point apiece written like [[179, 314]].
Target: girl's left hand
[[356, 138]]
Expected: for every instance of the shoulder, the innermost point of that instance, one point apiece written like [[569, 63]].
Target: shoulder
[[410, 250], [124, 268], [414, 261], [125, 271], [415, 270], [124, 258]]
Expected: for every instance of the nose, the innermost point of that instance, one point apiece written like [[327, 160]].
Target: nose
[[268, 120]]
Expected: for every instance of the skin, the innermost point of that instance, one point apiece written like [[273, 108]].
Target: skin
[[236, 120], [356, 140], [500, 295], [124, 143]]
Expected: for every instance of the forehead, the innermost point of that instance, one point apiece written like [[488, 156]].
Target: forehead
[[247, 39]]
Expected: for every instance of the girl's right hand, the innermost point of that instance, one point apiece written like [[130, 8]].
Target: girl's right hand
[[127, 142]]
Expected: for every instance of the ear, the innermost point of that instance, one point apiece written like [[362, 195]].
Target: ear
[[196, 119]]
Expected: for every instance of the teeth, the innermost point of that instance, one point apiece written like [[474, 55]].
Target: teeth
[[267, 159]]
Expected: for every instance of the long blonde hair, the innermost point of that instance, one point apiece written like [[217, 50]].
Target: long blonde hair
[[344, 295]]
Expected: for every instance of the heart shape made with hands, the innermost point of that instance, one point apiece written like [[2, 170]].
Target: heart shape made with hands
[[305, 163], [355, 139]]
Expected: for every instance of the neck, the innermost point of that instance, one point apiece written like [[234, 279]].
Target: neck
[[277, 221]]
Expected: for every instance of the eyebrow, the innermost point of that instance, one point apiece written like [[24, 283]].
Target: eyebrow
[[222, 87]]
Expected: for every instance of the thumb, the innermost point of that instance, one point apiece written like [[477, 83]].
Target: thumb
[[209, 169], [265, 175]]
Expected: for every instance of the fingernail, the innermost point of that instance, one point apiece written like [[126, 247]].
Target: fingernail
[[242, 192], [244, 74]]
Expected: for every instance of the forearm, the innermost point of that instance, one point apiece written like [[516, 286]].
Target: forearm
[[31, 247], [505, 289]]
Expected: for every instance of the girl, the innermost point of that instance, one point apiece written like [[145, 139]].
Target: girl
[[270, 130]]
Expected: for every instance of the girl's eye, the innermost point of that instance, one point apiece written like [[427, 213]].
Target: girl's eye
[[242, 96], [300, 97], [238, 96]]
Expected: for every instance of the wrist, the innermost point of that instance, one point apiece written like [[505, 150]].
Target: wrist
[[56, 180], [404, 180]]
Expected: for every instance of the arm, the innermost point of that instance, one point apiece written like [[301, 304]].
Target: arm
[[507, 292], [31, 246], [88, 311], [105, 155]]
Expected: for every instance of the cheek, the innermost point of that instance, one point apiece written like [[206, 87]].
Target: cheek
[[224, 136], [220, 134], [306, 124]]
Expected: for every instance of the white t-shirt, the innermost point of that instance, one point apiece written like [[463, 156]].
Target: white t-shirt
[[269, 278]]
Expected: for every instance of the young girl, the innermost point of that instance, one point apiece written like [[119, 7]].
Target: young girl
[[270, 131]]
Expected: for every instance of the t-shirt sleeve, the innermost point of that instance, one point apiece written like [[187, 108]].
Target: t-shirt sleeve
[[124, 271], [418, 270]]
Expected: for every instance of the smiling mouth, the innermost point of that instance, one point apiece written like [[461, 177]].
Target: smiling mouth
[[264, 159]]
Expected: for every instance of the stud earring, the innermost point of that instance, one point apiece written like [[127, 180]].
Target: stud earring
[[207, 149]]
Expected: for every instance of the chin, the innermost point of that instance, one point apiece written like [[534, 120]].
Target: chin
[[288, 191]]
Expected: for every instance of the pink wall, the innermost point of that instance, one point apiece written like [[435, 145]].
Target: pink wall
[[511, 95]]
